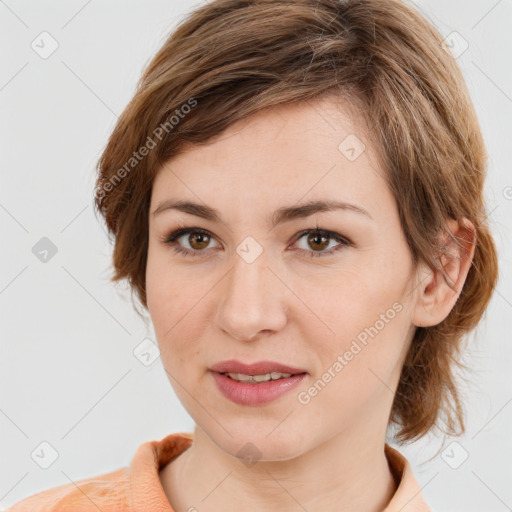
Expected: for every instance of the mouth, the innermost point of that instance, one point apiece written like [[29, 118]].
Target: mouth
[[257, 379], [253, 393], [256, 383]]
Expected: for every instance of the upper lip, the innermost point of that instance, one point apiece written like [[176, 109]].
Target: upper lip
[[257, 368]]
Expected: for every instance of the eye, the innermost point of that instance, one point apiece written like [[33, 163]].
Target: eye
[[319, 240], [199, 239]]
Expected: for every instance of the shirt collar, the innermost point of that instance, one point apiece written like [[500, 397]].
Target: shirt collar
[[145, 491]]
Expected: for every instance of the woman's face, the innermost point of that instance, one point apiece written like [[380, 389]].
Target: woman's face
[[340, 309]]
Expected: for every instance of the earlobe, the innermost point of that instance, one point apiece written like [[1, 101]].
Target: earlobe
[[438, 294]]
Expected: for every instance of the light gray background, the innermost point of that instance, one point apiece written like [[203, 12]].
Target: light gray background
[[68, 374]]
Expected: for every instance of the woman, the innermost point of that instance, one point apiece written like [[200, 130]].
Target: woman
[[295, 194]]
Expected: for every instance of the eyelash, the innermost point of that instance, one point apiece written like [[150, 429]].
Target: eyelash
[[171, 238]]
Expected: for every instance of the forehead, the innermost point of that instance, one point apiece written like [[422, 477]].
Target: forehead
[[309, 150]]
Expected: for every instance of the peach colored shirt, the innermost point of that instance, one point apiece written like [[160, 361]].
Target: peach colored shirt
[[137, 488]]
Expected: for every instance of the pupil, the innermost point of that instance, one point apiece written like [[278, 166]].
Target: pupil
[[199, 236], [315, 239]]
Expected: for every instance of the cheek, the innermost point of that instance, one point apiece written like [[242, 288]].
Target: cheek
[[358, 371], [176, 304], [361, 316], [341, 304], [177, 316], [165, 291]]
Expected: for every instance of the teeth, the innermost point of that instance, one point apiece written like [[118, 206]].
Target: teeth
[[277, 375], [261, 378], [240, 377], [258, 378]]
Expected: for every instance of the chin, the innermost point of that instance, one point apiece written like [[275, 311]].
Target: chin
[[259, 445]]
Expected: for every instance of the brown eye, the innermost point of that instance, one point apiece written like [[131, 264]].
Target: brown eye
[[318, 241], [198, 241]]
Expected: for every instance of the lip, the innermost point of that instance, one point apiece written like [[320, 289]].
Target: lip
[[257, 368], [243, 393]]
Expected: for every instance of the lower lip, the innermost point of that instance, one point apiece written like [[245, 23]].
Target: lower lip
[[255, 394]]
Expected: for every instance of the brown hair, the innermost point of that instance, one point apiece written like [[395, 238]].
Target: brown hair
[[231, 58]]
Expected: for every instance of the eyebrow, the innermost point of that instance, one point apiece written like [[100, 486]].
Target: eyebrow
[[283, 214]]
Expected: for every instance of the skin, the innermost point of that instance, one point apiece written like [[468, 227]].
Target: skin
[[288, 307]]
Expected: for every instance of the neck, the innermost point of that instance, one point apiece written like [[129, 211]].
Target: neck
[[335, 476]]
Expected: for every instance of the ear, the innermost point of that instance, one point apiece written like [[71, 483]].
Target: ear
[[439, 292]]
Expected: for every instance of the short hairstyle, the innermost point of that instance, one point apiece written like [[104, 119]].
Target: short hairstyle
[[230, 59]]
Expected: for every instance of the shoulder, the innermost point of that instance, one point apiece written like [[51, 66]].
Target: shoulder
[[135, 487], [110, 492], [107, 492]]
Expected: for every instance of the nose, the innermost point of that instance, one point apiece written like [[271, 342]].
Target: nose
[[252, 301]]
